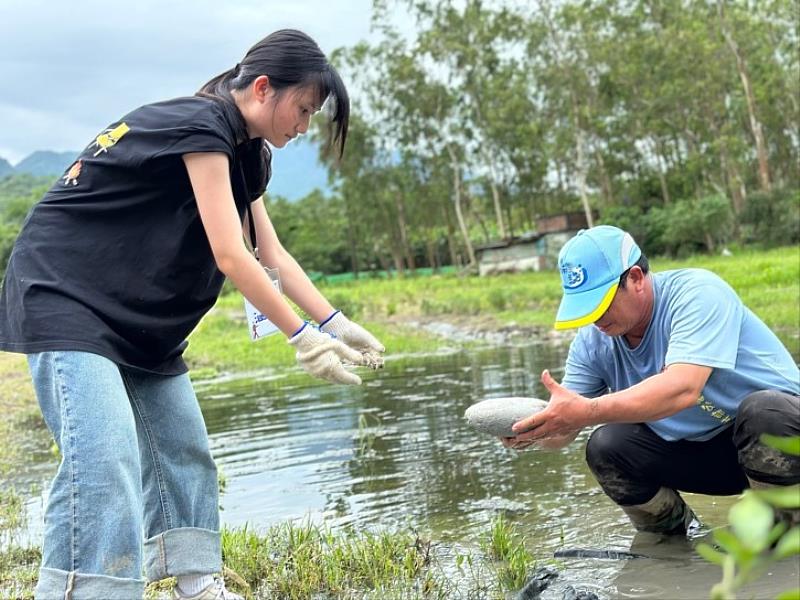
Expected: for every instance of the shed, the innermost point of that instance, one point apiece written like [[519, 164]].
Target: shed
[[534, 250]]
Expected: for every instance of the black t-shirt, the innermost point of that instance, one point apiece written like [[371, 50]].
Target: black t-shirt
[[114, 259]]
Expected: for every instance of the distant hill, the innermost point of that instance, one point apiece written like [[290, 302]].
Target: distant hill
[[296, 170], [45, 162]]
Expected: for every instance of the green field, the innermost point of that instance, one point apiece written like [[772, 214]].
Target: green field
[[767, 281]]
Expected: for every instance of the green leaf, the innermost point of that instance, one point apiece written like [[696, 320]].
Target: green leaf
[[710, 554], [730, 543], [789, 544], [788, 445], [777, 531], [752, 520], [781, 497], [789, 595]]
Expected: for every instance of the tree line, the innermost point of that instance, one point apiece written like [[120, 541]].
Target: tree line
[[678, 120]]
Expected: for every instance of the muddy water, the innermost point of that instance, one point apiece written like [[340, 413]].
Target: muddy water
[[396, 452]]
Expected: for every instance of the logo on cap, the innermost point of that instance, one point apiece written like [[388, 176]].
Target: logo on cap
[[573, 276]]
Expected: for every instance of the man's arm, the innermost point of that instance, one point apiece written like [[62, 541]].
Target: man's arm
[[678, 387]]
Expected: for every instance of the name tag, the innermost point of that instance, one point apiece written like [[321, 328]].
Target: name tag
[[258, 325]]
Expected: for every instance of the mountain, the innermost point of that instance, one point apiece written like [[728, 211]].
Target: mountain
[[5, 167], [45, 162], [296, 170]]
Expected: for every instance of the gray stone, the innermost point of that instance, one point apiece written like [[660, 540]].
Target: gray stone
[[496, 415]]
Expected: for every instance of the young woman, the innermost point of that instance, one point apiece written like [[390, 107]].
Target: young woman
[[112, 270]]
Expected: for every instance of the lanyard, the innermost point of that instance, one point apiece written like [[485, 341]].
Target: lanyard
[[252, 227], [251, 224]]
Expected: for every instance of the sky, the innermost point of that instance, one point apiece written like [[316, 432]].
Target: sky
[[70, 67]]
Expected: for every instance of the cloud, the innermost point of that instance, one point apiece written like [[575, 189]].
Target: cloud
[[70, 68]]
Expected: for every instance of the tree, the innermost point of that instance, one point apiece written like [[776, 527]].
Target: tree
[[752, 110]]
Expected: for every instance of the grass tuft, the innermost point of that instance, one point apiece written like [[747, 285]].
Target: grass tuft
[[298, 561], [504, 545]]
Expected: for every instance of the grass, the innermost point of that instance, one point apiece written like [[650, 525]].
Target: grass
[[767, 282], [221, 343], [298, 561], [369, 427], [504, 545], [21, 417], [292, 561], [18, 565], [19, 569], [362, 564]]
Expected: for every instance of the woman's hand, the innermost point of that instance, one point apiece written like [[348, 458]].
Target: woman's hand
[[321, 355], [356, 337]]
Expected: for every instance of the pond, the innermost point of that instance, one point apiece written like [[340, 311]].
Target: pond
[[396, 453]]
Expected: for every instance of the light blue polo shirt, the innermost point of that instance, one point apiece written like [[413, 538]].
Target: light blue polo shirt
[[697, 319]]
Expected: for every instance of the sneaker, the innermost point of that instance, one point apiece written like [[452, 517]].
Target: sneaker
[[213, 591]]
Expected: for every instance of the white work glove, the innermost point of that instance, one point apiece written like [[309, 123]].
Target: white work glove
[[356, 337], [321, 355]]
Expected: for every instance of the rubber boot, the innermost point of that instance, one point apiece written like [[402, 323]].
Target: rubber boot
[[666, 512], [790, 516]]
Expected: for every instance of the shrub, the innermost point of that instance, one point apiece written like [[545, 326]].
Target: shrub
[[345, 303], [498, 299], [772, 219], [630, 218], [647, 228], [696, 224], [8, 234]]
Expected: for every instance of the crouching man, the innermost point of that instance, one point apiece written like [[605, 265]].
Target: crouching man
[[683, 377]]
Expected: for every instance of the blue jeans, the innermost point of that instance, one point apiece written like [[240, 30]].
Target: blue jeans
[[136, 489]]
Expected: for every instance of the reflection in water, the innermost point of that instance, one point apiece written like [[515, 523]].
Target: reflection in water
[[295, 449], [291, 451]]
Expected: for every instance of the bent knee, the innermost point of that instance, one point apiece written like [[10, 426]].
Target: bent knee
[[767, 411], [611, 441], [601, 444], [774, 413]]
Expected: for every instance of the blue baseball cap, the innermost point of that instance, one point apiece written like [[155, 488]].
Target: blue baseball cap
[[591, 264]]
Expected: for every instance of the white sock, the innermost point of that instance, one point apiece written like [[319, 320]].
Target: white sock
[[194, 584]]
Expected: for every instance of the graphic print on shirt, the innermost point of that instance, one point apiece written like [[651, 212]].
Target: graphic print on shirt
[[714, 411], [109, 138], [708, 407], [74, 172]]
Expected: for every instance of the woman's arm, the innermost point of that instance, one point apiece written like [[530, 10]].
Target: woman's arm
[[294, 281], [208, 173], [318, 353]]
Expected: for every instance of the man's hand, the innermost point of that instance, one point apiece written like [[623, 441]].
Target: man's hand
[[356, 337], [566, 414], [321, 355]]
